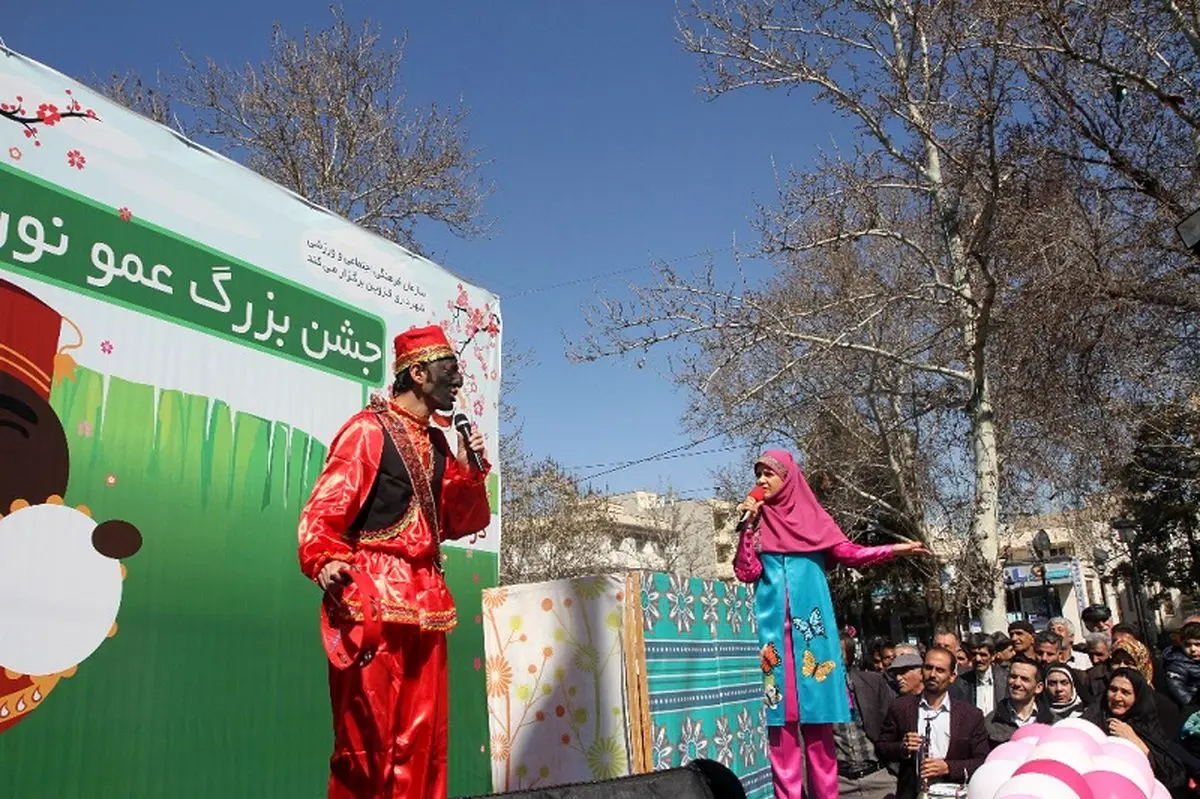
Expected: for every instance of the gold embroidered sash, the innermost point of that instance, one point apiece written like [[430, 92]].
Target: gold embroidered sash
[[418, 476]]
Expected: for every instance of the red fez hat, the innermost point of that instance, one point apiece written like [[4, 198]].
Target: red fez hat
[[29, 330], [421, 345]]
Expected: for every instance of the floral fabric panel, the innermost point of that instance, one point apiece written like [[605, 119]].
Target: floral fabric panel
[[556, 682], [705, 677]]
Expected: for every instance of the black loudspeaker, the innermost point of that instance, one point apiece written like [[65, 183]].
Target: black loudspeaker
[[700, 779]]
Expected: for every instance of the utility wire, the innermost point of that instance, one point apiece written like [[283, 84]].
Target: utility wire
[[729, 448], [656, 456], [604, 275]]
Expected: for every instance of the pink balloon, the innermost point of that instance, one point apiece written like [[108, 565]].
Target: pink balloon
[[1123, 768], [1070, 735], [1016, 751], [1059, 771], [1127, 752], [1034, 731], [1107, 785], [1037, 785], [1095, 733]]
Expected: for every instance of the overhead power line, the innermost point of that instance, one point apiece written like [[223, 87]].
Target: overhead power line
[[697, 453], [605, 275]]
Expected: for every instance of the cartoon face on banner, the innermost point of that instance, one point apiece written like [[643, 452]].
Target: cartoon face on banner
[[63, 588]]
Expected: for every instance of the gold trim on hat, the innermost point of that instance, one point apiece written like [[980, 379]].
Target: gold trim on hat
[[431, 352]]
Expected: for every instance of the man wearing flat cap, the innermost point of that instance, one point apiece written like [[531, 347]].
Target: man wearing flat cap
[[391, 490]]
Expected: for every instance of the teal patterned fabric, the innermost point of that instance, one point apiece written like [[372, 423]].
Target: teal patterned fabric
[[704, 677]]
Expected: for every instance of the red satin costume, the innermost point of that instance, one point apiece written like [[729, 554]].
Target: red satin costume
[[367, 508]]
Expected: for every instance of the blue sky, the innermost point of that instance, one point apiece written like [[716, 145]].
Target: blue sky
[[603, 153]]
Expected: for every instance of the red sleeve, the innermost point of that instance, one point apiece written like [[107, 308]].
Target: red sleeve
[[465, 509], [339, 494], [853, 556]]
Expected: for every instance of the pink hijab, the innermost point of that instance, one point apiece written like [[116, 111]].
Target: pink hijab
[[793, 520]]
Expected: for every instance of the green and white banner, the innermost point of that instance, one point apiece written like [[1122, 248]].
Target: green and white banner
[[179, 341]]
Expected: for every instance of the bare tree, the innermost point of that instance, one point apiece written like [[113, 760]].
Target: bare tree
[[1110, 314], [326, 115], [131, 91], [551, 528], [890, 259]]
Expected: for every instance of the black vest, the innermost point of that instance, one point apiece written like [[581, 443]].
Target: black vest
[[392, 494]]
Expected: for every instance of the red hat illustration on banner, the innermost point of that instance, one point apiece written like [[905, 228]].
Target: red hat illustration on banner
[[29, 331], [34, 461], [64, 589]]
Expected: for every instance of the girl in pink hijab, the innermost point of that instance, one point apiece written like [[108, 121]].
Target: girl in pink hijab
[[785, 554]]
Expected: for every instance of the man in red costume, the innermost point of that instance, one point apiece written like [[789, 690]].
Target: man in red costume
[[391, 490]]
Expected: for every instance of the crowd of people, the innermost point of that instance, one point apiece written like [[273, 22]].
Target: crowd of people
[[933, 713]]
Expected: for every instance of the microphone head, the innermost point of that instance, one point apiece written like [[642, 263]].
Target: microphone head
[[758, 493], [461, 422]]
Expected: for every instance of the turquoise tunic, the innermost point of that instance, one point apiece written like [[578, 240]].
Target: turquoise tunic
[[793, 592]]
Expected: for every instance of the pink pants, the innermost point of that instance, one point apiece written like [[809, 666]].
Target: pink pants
[[796, 748]]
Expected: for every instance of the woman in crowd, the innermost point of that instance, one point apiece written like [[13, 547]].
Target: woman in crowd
[[1128, 710], [1132, 654], [1063, 693], [785, 555]]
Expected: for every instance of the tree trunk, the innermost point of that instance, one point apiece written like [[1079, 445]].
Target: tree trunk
[[985, 525]]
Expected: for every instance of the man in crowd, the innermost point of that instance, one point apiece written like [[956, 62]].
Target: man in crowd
[[861, 773], [1124, 631], [904, 673], [1047, 648], [1021, 705], [1021, 635], [984, 685], [1097, 649], [1066, 630], [1048, 651], [949, 736], [1004, 648], [948, 639], [882, 652], [1097, 619]]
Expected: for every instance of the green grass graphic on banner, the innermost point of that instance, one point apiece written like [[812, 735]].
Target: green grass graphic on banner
[[215, 683]]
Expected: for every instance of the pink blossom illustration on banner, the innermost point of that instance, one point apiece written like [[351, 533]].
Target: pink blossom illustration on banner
[[475, 329], [44, 115]]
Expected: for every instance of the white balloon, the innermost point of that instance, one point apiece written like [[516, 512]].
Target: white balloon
[[60, 596], [1035, 785], [1117, 740], [1091, 729], [988, 778], [1067, 753]]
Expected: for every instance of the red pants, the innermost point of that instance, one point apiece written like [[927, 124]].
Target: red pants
[[390, 720]]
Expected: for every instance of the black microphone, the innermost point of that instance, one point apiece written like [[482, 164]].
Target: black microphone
[[756, 494], [463, 425]]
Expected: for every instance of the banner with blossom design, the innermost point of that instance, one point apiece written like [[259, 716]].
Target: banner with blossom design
[[180, 340]]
